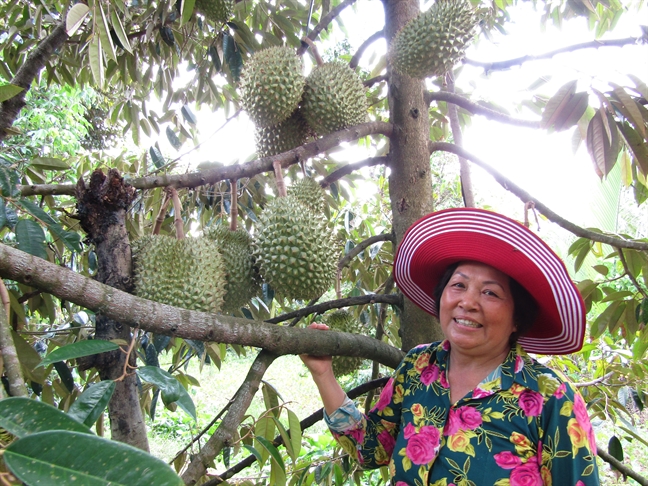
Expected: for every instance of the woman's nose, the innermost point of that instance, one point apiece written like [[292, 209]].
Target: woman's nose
[[468, 300]]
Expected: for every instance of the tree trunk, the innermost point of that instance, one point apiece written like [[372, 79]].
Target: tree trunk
[[102, 207], [410, 182]]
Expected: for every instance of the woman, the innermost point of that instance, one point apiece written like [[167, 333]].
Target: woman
[[475, 409]]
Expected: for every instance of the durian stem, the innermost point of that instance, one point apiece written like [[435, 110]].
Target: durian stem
[[281, 184], [161, 214], [314, 52], [338, 278], [177, 216], [234, 205]]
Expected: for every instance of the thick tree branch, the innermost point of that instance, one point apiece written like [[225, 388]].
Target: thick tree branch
[[347, 169], [477, 109], [363, 47], [501, 65], [304, 424], [24, 77], [238, 171], [525, 197], [9, 356], [165, 319], [625, 470], [360, 247], [323, 23]]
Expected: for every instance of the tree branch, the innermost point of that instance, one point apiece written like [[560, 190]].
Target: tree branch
[[525, 197], [363, 47], [24, 77], [347, 169], [360, 247], [238, 171], [501, 65], [165, 319], [632, 278], [477, 109], [9, 356], [625, 470], [304, 424], [323, 24]]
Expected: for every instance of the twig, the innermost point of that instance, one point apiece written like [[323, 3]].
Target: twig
[[279, 179], [632, 278], [625, 470], [161, 214], [375, 80], [349, 168], [323, 24], [360, 247], [316, 55], [594, 382], [128, 353], [177, 213], [363, 47], [233, 204], [525, 197]]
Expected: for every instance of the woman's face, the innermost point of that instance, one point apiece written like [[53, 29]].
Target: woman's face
[[476, 310]]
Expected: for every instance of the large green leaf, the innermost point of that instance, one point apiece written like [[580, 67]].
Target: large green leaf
[[49, 163], [9, 91], [31, 238], [62, 457], [78, 349], [92, 402], [24, 416], [70, 239], [172, 390], [75, 17], [8, 182]]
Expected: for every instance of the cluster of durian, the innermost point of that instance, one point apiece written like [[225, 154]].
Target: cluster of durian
[[218, 11], [344, 321], [287, 108], [434, 41], [295, 249]]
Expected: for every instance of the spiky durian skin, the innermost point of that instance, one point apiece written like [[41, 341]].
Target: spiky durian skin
[[308, 191], [334, 98], [272, 85], [344, 321], [283, 136], [217, 11], [236, 248], [434, 41], [187, 273], [294, 250]]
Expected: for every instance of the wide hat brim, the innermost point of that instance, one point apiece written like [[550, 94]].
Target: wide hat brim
[[467, 234]]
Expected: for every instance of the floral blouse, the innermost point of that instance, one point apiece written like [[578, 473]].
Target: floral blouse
[[521, 426]]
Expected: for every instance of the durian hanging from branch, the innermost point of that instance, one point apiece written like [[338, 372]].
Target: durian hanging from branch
[[433, 42], [294, 247], [183, 272]]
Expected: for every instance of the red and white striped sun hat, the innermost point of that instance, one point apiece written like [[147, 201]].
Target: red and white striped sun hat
[[467, 234]]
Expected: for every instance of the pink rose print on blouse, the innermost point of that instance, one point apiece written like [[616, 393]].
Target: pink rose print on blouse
[[445, 345], [527, 474], [387, 441], [429, 374], [401, 483], [507, 460], [582, 417], [531, 403], [519, 364], [385, 396], [481, 393], [560, 391], [424, 446], [357, 434], [462, 418], [443, 380], [409, 431]]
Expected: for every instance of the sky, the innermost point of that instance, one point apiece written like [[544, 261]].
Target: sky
[[543, 164]]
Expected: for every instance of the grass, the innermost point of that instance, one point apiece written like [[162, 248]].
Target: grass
[[171, 431]]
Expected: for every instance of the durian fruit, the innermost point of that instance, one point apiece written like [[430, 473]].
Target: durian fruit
[[236, 248], [283, 136], [434, 41], [272, 84], [344, 321], [334, 98], [187, 273], [295, 250], [218, 11], [308, 191]]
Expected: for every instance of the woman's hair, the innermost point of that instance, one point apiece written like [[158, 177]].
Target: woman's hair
[[525, 308]]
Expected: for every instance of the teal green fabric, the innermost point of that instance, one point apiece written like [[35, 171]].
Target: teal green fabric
[[522, 426]]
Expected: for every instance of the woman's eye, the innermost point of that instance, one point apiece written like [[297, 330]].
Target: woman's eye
[[491, 293]]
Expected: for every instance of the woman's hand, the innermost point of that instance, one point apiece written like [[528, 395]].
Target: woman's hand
[[318, 365]]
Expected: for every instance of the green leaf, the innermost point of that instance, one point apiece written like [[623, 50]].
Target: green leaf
[[254, 452], [603, 148], [96, 61], [62, 457], [8, 91], [232, 56], [49, 163], [173, 138], [119, 31], [637, 145], [23, 417], [156, 157], [92, 402], [75, 18], [294, 428], [556, 103], [78, 349], [188, 115], [267, 445], [8, 182], [187, 10], [31, 238], [103, 27], [172, 390], [630, 110], [271, 398], [70, 239], [286, 439]]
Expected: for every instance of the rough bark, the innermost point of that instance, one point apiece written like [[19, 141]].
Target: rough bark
[[9, 357], [102, 208], [410, 182]]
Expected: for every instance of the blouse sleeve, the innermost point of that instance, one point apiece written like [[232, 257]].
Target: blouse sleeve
[[568, 442], [371, 440]]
